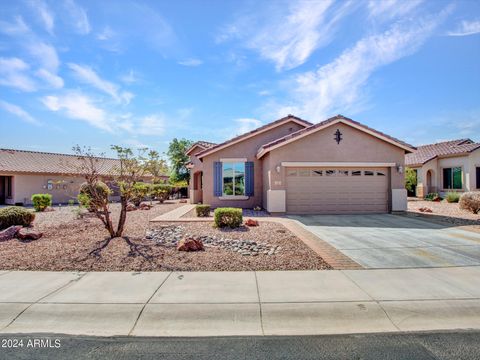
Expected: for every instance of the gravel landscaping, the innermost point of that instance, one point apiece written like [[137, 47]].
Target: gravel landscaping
[[444, 212], [75, 243]]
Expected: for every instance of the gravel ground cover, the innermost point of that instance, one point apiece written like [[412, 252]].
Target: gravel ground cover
[[246, 213], [72, 243], [444, 212]]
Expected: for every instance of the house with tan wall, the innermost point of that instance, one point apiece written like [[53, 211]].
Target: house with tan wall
[[290, 165], [452, 165], [24, 173]]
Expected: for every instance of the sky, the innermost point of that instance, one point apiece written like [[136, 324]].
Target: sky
[[139, 73]]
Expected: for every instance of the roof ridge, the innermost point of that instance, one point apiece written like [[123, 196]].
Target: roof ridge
[[52, 153], [455, 141]]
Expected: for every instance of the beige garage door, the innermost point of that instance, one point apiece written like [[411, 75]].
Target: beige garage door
[[337, 190]]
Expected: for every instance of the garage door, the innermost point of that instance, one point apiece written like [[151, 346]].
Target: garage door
[[337, 190]]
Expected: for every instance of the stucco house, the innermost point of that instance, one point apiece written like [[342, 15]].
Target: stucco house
[[290, 165], [446, 166], [24, 173]]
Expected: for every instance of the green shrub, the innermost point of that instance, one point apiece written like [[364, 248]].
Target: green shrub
[[95, 196], [410, 180], [452, 197], [15, 215], [433, 197], [203, 210], [71, 202], [41, 201], [470, 201], [139, 192], [161, 192], [231, 217]]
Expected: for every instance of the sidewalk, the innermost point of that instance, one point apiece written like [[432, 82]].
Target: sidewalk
[[239, 303]]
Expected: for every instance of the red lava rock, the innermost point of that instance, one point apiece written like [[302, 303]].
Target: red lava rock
[[145, 206], [251, 222], [28, 234], [183, 201], [190, 244], [131, 207], [9, 233], [425, 210]]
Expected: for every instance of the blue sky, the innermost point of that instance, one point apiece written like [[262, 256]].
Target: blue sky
[[138, 73]]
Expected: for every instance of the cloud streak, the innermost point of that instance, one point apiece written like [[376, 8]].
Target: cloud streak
[[78, 17], [466, 28], [13, 73], [18, 112]]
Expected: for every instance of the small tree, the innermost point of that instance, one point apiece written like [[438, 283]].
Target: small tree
[[140, 192], [156, 166], [410, 180], [160, 191], [179, 159]]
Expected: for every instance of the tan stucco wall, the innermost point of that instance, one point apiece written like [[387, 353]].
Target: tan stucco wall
[[356, 146], [245, 149], [195, 195]]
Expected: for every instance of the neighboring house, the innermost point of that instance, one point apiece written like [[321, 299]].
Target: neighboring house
[[446, 166], [24, 173], [338, 166]]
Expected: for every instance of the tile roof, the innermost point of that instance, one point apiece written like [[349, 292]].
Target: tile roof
[[22, 161], [203, 144], [425, 153], [271, 144], [248, 134]]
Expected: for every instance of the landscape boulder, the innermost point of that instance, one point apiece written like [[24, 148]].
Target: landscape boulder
[[251, 222], [28, 234], [425, 210], [183, 201], [9, 233], [145, 206], [190, 244], [131, 207]]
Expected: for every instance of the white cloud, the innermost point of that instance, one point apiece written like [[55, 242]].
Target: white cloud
[[78, 106], [130, 77], [44, 53], [150, 125], [17, 28], [52, 80], [388, 9], [13, 73], [106, 34], [46, 16], [191, 62], [18, 112], [288, 37], [466, 28], [338, 86], [78, 17], [87, 75], [245, 125]]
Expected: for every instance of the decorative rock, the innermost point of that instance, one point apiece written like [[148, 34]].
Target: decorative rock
[[425, 210], [251, 222], [183, 201], [9, 233], [190, 244], [131, 207], [28, 234], [145, 206], [48, 209]]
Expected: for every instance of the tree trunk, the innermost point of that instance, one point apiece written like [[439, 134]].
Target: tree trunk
[[123, 217]]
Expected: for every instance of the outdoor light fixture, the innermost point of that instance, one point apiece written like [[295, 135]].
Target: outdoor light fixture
[[278, 168], [400, 169]]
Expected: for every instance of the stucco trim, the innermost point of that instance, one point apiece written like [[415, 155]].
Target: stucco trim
[[227, 160], [335, 164], [264, 151], [243, 138]]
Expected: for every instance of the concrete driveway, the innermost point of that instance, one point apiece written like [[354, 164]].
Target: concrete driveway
[[394, 241]]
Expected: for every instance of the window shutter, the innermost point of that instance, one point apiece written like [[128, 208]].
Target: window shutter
[[217, 178], [249, 176]]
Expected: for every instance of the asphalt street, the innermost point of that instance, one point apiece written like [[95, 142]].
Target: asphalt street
[[407, 346]]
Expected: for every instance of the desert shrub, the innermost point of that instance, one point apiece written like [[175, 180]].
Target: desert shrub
[[452, 197], [470, 201], [410, 180], [433, 197], [161, 192], [95, 196], [139, 192], [41, 201], [71, 202], [15, 215], [231, 217], [203, 210]]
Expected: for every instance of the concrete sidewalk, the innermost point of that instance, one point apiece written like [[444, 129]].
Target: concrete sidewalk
[[240, 303]]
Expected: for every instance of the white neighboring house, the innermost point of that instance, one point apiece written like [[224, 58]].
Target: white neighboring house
[[446, 166]]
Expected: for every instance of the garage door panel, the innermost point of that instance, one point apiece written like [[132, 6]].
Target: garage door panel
[[340, 193]]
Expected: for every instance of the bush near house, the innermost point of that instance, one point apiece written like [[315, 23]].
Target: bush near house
[[452, 197], [139, 192], [15, 215], [228, 217], [470, 201], [410, 181], [433, 197], [93, 197], [203, 210], [41, 201], [161, 192]]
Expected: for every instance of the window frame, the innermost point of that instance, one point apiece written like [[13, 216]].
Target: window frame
[[451, 168], [233, 196]]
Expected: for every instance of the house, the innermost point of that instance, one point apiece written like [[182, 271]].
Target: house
[[290, 165], [446, 166], [24, 173]]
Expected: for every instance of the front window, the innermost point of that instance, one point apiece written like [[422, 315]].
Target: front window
[[233, 179], [452, 178]]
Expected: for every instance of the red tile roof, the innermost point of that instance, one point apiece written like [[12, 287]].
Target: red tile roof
[[202, 144], [248, 134], [326, 122], [425, 153]]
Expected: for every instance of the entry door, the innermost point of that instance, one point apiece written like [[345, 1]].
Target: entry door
[[337, 190]]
